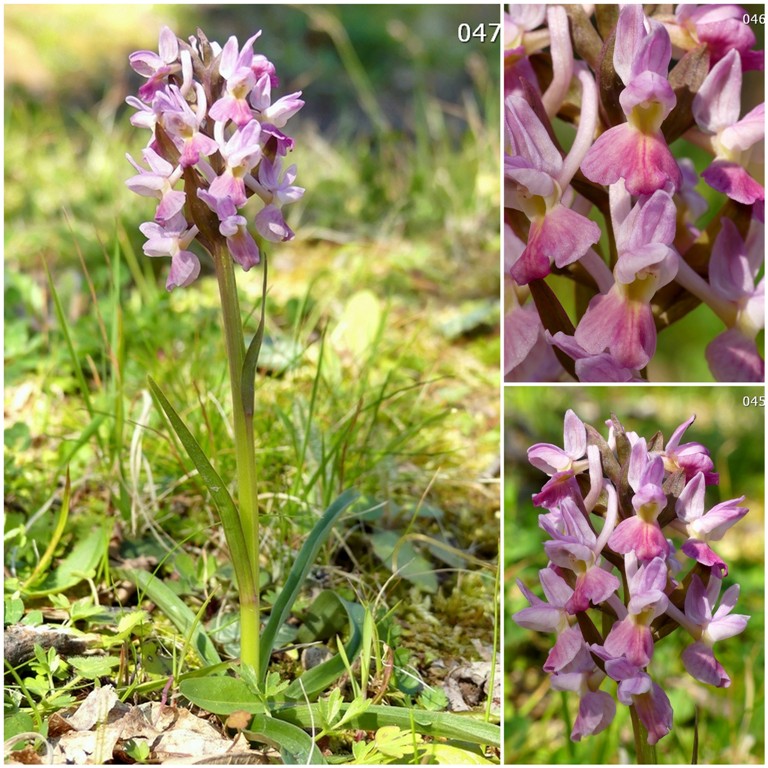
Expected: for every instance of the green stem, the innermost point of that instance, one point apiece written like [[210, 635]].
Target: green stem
[[645, 753], [244, 453]]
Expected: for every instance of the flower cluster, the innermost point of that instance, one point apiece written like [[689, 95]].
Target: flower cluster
[[631, 539], [217, 134], [617, 212]]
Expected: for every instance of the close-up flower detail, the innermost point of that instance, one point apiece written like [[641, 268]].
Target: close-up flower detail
[[217, 136], [630, 562], [633, 176]]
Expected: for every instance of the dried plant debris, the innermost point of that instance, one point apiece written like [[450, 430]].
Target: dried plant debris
[[104, 729]]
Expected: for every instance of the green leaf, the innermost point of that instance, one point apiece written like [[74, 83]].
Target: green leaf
[[13, 610], [221, 695], [296, 747], [298, 575], [314, 681], [80, 563], [324, 619], [401, 556], [230, 519], [177, 611], [442, 724], [17, 722], [92, 667]]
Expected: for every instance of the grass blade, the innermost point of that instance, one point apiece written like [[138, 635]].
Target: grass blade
[[58, 532], [298, 574]]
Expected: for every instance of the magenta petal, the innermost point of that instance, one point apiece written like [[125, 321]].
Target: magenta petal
[[655, 713], [574, 436], [622, 326], [702, 553], [596, 712], [733, 180], [565, 650], [630, 641], [541, 618], [522, 327], [701, 664], [728, 626], [185, 267], [718, 101], [733, 357], [642, 160], [595, 585], [646, 540]]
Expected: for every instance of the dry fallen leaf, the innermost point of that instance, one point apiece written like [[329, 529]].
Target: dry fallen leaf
[[98, 731]]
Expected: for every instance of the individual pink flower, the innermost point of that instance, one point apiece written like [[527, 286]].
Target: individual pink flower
[[235, 68], [692, 458], [636, 151], [720, 27], [183, 124], [641, 533], [158, 182], [630, 638], [698, 658], [277, 113], [157, 66], [637, 688], [733, 269], [738, 145], [240, 242], [703, 527], [535, 179], [241, 152], [552, 459], [172, 238], [576, 548], [551, 616], [621, 321]]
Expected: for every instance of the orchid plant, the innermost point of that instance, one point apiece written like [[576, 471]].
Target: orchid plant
[[617, 209], [632, 558], [216, 164]]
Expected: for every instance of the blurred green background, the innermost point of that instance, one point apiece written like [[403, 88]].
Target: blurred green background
[[731, 720]]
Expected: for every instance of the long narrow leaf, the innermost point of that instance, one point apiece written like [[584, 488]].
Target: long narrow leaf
[[298, 574], [176, 610], [318, 679], [296, 747], [230, 518], [443, 724], [58, 532]]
